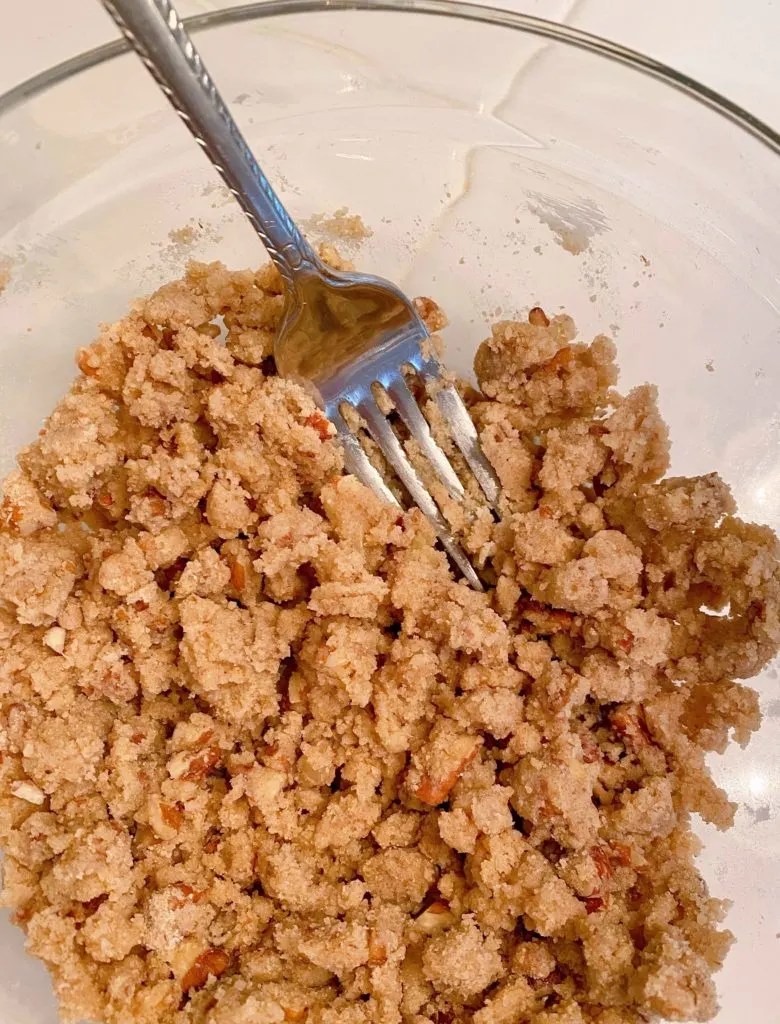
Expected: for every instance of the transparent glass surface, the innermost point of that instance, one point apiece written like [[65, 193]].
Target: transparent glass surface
[[502, 163]]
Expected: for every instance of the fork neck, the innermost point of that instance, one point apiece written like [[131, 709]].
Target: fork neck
[[155, 31]]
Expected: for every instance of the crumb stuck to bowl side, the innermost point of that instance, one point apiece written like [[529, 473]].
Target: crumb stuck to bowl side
[[5, 274], [265, 758], [185, 235], [340, 227]]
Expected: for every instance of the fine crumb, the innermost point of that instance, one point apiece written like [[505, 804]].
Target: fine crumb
[[264, 758], [710, 366]]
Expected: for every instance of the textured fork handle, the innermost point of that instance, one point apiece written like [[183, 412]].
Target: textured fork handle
[[155, 31]]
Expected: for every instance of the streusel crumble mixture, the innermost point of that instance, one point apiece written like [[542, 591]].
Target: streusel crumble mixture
[[265, 759]]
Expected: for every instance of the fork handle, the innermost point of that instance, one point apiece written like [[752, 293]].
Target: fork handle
[[156, 33]]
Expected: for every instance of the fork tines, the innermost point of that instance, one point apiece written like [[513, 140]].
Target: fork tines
[[388, 373]]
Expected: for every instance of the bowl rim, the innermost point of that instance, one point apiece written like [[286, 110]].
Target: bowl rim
[[457, 9]]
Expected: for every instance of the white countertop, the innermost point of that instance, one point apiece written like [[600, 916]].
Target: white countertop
[[711, 40]]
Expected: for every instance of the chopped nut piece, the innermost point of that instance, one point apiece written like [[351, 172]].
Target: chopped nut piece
[[55, 638], [538, 317], [435, 918], [377, 952], [194, 766], [440, 764], [29, 792], [212, 963]]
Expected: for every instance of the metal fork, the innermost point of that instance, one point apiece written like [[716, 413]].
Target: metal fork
[[341, 334]]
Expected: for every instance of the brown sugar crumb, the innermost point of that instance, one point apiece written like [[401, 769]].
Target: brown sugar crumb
[[264, 758]]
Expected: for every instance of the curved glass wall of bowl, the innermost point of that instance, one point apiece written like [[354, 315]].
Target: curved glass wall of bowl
[[501, 162]]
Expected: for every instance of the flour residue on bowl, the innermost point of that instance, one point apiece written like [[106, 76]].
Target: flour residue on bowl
[[573, 225], [218, 193]]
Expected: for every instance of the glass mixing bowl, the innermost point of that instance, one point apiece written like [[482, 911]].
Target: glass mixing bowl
[[502, 162]]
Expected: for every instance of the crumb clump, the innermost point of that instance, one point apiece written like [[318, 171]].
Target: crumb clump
[[265, 759]]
